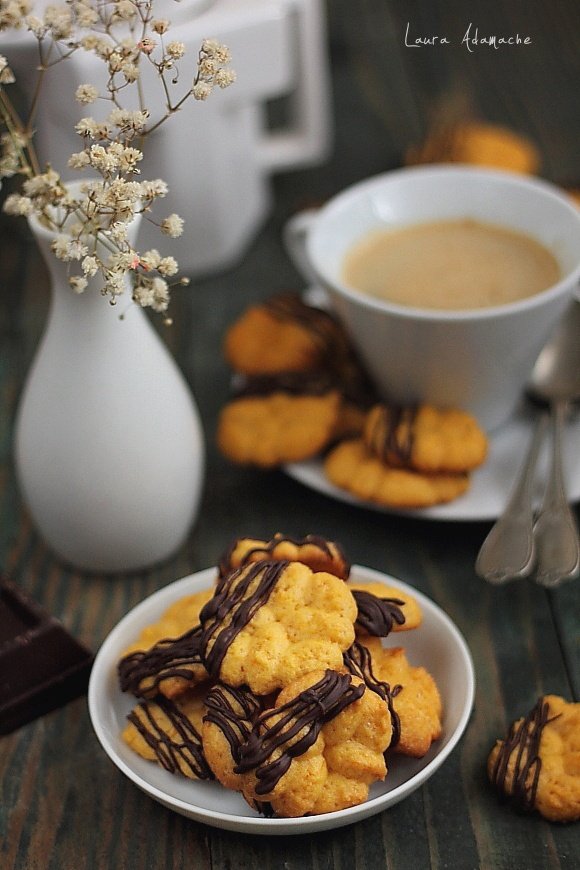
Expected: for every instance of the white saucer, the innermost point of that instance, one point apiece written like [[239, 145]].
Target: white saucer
[[437, 643], [490, 484]]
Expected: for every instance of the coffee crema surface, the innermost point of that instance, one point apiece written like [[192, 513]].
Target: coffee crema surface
[[449, 265]]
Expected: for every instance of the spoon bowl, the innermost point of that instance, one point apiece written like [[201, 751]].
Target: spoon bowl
[[556, 374]]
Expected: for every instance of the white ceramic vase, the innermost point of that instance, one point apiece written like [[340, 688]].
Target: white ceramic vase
[[108, 445]]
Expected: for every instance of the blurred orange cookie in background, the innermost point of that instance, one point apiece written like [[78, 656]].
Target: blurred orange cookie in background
[[478, 143]]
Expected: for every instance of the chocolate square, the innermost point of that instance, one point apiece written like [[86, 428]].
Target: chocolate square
[[42, 666]]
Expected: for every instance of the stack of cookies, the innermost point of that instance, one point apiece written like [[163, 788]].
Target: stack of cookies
[[301, 385], [409, 457], [275, 682], [305, 394]]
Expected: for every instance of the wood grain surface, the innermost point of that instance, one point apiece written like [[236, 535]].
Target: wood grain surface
[[62, 803]]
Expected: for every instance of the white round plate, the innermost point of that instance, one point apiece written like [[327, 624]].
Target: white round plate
[[490, 484], [436, 644]]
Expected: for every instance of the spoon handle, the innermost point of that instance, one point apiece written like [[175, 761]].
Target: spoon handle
[[508, 551], [555, 531]]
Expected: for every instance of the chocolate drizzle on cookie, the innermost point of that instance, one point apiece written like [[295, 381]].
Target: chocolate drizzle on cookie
[[338, 361], [294, 727], [330, 551], [358, 660], [186, 747], [234, 712], [522, 743], [316, 383], [171, 657], [377, 615], [391, 434], [239, 595], [319, 323]]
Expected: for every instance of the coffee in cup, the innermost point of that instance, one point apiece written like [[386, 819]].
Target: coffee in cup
[[449, 264]]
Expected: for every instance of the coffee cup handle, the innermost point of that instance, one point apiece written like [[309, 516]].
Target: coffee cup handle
[[294, 236]]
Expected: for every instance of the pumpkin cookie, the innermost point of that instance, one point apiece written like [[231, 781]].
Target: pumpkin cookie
[[271, 430], [352, 467], [425, 438], [319, 749], [228, 720], [382, 609], [358, 660], [312, 550], [478, 143], [537, 766], [271, 622], [417, 702], [169, 732], [166, 657], [282, 334], [178, 618]]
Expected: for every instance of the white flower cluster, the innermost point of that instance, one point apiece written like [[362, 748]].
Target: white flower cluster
[[212, 69], [13, 13], [92, 227], [93, 230]]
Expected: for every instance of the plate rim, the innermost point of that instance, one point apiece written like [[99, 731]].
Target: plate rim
[[309, 473], [258, 824]]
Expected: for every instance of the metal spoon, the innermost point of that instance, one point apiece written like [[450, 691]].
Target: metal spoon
[[516, 544]]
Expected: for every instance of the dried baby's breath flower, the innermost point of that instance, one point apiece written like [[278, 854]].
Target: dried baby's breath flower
[[86, 127], [146, 45], [114, 285], [224, 78], [86, 94], [130, 71], [160, 25], [201, 90], [45, 184], [85, 14], [211, 48], [18, 205], [66, 248], [118, 231], [6, 74], [150, 259], [91, 221], [211, 69], [176, 50], [36, 26], [13, 13], [129, 122], [79, 160], [90, 266], [78, 283], [172, 226], [167, 266], [124, 10], [152, 293], [58, 20], [154, 188]]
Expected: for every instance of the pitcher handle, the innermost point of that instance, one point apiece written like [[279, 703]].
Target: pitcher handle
[[306, 139]]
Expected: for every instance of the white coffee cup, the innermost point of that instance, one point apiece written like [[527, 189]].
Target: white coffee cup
[[477, 359]]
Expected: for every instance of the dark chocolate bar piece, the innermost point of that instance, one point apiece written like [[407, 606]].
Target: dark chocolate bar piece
[[42, 666]]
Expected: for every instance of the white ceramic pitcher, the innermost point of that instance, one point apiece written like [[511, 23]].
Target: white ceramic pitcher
[[218, 156]]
